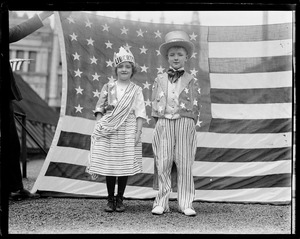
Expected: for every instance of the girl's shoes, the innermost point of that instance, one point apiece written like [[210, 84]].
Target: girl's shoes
[[119, 204], [111, 205]]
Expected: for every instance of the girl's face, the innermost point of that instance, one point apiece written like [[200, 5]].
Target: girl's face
[[124, 71], [177, 56]]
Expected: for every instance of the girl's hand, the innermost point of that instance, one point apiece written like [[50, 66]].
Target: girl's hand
[[138, 137]]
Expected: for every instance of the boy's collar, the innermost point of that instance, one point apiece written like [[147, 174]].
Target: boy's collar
[[180, 69]]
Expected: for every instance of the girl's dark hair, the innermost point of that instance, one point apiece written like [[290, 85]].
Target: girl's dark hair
[[134, 69]]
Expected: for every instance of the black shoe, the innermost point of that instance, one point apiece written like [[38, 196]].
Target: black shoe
[[23, 194], [119, 204], [110, 207]]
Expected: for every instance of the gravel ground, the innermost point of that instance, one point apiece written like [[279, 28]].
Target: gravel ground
[[86, 216]]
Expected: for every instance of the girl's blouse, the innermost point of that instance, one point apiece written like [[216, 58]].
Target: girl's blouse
[[108, 100]]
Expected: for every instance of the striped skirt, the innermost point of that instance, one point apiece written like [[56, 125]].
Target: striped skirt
[[116, 154]]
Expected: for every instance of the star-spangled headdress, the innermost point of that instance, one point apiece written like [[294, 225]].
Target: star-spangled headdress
[[123, 55]]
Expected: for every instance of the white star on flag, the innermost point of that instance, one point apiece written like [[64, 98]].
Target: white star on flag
[[140, 33], [186, 90], [194, 72], [148, 102], [76, 56], [194, 55], [111, 79], [148, 119], [78, 108], [127, 47], [199, 123], [157, 52], [157, 34], [96, 93], [73, 37], [195, 102], [124, 30], [94, 60], [143, 50], [109, 63], [79, 90], [193, 37], [105, 27], [90, 41], [160, 70], [96, 76], [199, 90], [144, 68], [108, 44], [88, 23], [71, 20], [182, 105], [78, 72], [146, 85]]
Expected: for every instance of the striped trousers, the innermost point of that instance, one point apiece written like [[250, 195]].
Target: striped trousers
[[175, 140]]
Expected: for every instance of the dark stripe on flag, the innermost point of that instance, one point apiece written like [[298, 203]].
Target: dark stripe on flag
[[77, 172], [74, 140], [242, 155], [259, 126], [251, 96], [250, 64], [250, 33]]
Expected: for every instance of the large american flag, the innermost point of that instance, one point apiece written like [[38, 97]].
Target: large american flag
[[244, 135]]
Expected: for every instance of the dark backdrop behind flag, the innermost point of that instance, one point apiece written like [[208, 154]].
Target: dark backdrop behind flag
[[244, 135]]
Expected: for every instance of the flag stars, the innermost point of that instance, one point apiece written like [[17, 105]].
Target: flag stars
[[146, 85], [78, 108], [111, 80], [88, 23], [96, 76], [96, 93], [90, 41], [73, 37], [79, 90], [127, 47], [109, 63], [157, 34], [199, 123], [182, 105], [78, 73], [71, 20], [195, 102], [157, 52], [193, 37], [94, 60], [148, 103], [140, 33], [105, 92], [199, 90], [194, 72], [76, 56], [160, 70], [143, 50], [194, 55], [108, 44], [148, 119], [105, 27], [144, 68], [124, 30], [186, 90]]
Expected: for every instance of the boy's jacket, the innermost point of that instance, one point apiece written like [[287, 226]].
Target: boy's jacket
[[189, 96]]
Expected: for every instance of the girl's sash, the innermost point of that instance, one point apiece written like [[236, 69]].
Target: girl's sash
[[112, 121]]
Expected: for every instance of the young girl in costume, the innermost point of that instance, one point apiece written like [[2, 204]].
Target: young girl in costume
[[116, 148]]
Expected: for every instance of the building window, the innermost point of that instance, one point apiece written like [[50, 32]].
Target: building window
[[20, 55], [32, 63]]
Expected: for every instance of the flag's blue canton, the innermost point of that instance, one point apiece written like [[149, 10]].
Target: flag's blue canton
[[90, 43]]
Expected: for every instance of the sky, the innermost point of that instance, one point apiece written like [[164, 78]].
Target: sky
[[207, 18]]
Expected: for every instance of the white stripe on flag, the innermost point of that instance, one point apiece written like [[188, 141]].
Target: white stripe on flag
[[252, 111], [252, 80], [250, 49]]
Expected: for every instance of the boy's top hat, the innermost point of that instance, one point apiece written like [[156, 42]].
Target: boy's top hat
[[176, 38], [123, 55]]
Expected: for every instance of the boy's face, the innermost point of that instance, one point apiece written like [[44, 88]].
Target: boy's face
[[177, 56]]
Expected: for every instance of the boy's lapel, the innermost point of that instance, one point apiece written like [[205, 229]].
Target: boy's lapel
[[164, 82], [185, 79]]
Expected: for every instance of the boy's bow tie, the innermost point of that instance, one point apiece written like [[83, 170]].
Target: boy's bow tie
[[174, 75]]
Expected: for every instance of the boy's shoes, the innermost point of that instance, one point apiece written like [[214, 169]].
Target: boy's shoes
[[158, 210], [23, 194], [110, 206], [189, 212], [119, 204]]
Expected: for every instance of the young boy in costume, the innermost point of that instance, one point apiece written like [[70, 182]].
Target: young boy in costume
[[175, 107]]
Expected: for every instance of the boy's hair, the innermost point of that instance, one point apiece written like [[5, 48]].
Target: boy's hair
[[176, 47], [133, 66]]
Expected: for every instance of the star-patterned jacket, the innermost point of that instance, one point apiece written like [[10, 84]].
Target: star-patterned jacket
[[188, 101]]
